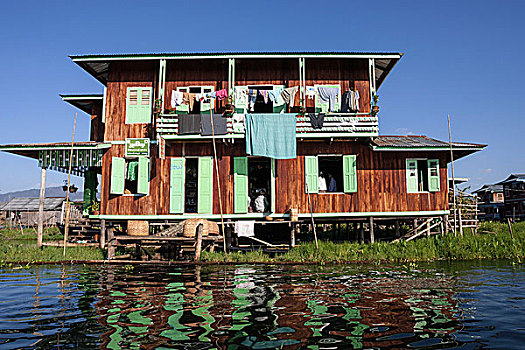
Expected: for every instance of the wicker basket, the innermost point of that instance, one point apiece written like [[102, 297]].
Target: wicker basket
[[138, 228], [294, 214], [191, 225]]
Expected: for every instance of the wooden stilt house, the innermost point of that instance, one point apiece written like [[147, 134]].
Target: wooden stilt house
[[301, 129]]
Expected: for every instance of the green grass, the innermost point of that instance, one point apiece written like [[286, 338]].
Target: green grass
[[494, 245], [19, 247]]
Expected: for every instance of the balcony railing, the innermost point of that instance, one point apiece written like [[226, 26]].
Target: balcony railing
[[335, 125]]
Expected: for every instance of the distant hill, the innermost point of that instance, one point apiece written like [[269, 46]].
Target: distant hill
[[35, 193]]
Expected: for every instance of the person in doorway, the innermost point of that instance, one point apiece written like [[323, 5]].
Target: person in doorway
[[332, 186], [261, 203], [321, 183]]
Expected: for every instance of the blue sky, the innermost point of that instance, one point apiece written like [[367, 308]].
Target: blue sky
[[461, 57]]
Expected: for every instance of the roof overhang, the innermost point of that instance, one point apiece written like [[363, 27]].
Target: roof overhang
[[98, 65], [83, 102], [32, 150], [416, 143]]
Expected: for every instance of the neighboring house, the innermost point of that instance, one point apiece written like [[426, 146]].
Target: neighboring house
[[490, 202], [514, 193], [25, 211], [151, 141]]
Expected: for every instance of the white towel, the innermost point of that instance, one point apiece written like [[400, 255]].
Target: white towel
[[244, 228], [176, 98]]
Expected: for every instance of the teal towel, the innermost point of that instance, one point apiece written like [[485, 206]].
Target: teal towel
[[271, 135]]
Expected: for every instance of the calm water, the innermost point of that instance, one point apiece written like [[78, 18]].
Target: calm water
[[467, 305]]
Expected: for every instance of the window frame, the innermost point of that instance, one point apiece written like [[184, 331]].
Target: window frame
[[129, 118], [418, 180], [342, 185]]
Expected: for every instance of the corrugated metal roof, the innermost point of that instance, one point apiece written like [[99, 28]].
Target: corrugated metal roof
[[83, 102], [490, 188], [32, 204], [418, 141], [76, 145], [231, 54], [513, 177]]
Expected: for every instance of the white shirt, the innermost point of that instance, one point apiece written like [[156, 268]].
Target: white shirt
[[322, 183]]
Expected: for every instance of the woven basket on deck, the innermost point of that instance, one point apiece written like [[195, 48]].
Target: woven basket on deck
[[138, 228]]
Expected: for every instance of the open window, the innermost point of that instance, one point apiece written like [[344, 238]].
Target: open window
[[191, 185], [331, 174], [202, 107], [422, 175], [130, 176], [252, 181]]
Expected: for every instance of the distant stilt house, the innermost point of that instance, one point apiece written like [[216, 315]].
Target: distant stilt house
[[491, 202], [24, 211], [250, 136], [514, 194]]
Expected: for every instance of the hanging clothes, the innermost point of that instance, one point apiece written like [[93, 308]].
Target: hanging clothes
[[245, 228], [288, 95], [328, 94], [264, 94], [274, 94], [238, 123], [350, 102], [221, 94], [252, 97], [310, 92], [317, 121], [191, 98], [272, 136], [132, 170], [356, 100], [189, 124], [219, 125], [176, 98]]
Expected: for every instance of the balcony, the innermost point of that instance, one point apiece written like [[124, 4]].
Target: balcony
[[335, 125]]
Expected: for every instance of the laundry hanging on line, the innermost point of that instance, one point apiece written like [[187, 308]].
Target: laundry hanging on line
[[177, 98], [328, 94], [288, 95], [219, 125], [350, 102], [264, 94], [316, 121]]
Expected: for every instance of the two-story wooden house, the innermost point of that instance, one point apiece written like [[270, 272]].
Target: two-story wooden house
[[300, 129], [491, 202], [514, 192]]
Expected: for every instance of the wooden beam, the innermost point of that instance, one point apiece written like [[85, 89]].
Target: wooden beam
[[40, 233], [371, 224], [102, 238]]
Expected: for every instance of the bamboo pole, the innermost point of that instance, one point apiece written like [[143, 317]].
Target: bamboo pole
[[312, 215], [40, 232], [453, 177], [218, 178], [66, 228]]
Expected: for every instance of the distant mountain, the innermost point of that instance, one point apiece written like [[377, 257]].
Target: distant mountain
[[35, 193]]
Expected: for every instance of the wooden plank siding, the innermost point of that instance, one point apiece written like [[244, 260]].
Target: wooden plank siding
[[381, 184], [96, 132]]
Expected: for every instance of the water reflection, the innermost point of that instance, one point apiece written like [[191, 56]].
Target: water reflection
[[246, 307]]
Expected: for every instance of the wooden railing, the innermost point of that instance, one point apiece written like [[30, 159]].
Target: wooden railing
[[349, 125]]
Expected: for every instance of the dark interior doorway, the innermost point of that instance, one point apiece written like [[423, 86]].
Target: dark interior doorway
[[259, 183]]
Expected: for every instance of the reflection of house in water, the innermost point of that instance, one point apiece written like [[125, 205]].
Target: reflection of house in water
[[255, 308]]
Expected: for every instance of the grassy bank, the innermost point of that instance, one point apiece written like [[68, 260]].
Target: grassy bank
[[19, 246], [494, 243]]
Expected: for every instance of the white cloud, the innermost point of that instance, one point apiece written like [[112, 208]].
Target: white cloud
[[486, 171], [405, 131]]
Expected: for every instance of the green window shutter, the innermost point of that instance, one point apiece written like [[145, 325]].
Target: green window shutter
[[240, 185], [177, 185], [118, 168], [205, 185], [241, 105], [433, 175], [350, 173], [279, 106], [143, 178], [138, 105], [411, 174], [312, 174]]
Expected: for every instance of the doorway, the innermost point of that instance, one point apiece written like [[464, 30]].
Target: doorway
[[260, 184]]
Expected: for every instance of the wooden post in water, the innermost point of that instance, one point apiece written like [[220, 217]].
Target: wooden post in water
[[66, 228], [371, 224], [510, 229], [361, 232], [198, 242], [102, 238], [111, 243], [40, 233]]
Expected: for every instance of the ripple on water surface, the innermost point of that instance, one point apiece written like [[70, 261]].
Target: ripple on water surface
[[468, 305]]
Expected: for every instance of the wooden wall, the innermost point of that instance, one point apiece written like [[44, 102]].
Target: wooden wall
[[349, 73], [96, 132], [381, 181]]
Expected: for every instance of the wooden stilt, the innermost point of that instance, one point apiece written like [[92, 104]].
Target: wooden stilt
[[398, 232], [361, 233], [354, 229], [111, 243], [445, 218], [102, 238], [371, 224], [292, 236], [198, 243], [40, 233], [442, 225], [428, 227]]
